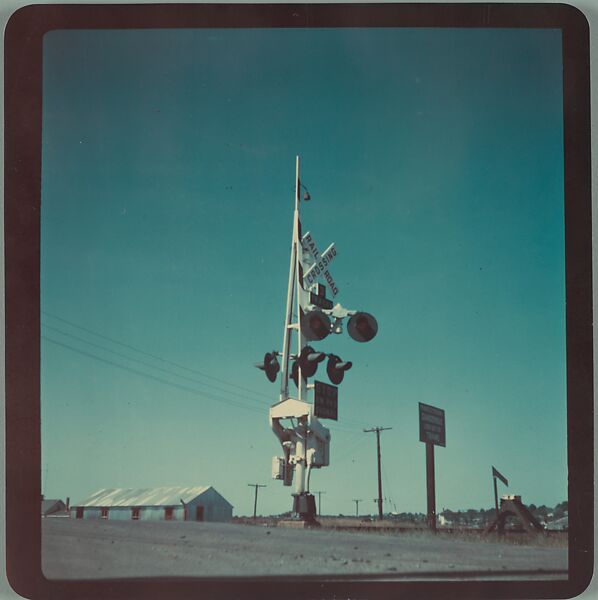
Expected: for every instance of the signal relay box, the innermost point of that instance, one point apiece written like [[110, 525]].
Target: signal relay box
[[277, 467], [282, 470]]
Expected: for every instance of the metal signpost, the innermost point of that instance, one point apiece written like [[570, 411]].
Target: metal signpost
[[496, 475], [432, 433], [312, 317]]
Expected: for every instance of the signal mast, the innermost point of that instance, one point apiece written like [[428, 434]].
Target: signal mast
[[311, 316]]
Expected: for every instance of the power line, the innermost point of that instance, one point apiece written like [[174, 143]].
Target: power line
[[155, 367], [164, 360], [347, 454], [154, 378], [336, 428], [191, 379], [151, 366]]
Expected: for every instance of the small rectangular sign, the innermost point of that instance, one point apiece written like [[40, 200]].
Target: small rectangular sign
[[325, 400], [431, 425], [320, 301]]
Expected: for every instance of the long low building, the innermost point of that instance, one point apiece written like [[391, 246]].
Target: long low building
[[200, 503]]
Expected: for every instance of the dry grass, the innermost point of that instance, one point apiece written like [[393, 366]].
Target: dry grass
[[417, 531]]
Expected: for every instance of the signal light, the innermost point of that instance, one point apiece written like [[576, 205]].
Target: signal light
[[309, 360], [336, 368], [295, 373], [362, 327], [315, 325], [270, 365]]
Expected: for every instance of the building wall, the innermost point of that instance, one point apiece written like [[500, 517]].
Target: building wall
[[125, 513], [216, 508]]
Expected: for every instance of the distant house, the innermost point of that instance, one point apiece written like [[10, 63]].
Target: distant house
[[54, 508], [200, 503], [444, 522], [561, 524]]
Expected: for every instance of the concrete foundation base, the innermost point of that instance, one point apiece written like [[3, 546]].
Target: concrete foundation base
[[298, 524]]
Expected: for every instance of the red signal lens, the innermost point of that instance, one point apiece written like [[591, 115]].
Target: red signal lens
[[362, 327]]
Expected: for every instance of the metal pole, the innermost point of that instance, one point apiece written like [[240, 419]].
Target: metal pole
[[379, 476], [301, 444], [431, 487], [288, 323], [300, 449], [495, 497], [301, 341], [356, 506]]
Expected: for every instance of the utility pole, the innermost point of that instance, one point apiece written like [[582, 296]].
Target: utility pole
[[255, 485], [319, 501], [357, 506], [378, 430]]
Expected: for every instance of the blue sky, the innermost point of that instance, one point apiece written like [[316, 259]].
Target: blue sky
[[434, 160]]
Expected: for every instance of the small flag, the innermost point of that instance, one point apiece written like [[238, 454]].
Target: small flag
[[495, 473]]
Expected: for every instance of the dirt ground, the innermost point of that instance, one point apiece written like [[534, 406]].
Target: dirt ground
[[83, 549]]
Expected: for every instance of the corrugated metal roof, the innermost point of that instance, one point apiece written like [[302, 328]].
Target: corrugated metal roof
[[160, 496]]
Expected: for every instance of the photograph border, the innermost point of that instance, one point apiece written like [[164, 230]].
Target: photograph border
[[23, 136]]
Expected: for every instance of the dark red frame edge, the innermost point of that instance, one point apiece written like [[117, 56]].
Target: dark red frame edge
[[23, 53]]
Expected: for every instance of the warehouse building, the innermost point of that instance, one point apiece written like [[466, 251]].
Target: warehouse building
[[201, 503]]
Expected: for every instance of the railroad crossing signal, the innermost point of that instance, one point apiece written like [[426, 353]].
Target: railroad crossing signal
[[336, 368], [362, 327], [309, 245], [308, 360], [270, 366], [315, 325], [317, 297], [309, 316]]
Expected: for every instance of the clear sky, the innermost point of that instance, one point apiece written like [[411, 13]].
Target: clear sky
[[434, 159]]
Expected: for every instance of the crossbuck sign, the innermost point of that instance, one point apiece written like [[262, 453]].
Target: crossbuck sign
[[320, 263]]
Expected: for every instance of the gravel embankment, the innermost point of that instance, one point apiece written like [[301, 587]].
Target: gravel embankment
[[83, 549]]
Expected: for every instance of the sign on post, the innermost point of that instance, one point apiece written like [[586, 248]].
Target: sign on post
[[431, 432], [431, 425], [309, 245], [320, 301], [325, 400]]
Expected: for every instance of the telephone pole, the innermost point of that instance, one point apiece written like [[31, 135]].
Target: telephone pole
[[378, 430], [356, 506], [255, 485]]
